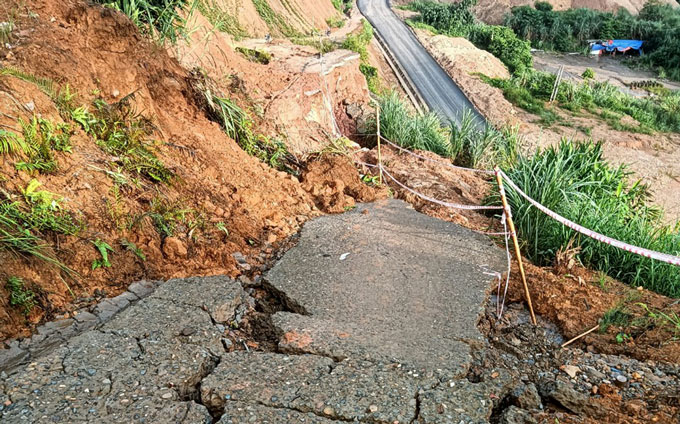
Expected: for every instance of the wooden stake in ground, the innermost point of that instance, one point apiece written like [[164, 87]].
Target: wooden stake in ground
[[580, 335], [513, 234], [377, 120]]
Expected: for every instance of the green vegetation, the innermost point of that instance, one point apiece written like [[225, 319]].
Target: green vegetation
[[123, 133], [103, 248], [19, 295], [343, 6], [131, 247], [588, 74], [617, 316], [6, 29], [666, 319], [335, 22], [238, 125], [531, 90], [276, 23], [657, 24], [169, 218], [221, 20], [457, 20], [573, 180], [161, 19], [358, 42], [62, 97], [466, 145], [253, 55], [23, 223], [42, 137]]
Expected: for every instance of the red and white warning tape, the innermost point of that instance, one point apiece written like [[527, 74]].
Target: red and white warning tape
[[450, 165], [433, 200], [663, 257]]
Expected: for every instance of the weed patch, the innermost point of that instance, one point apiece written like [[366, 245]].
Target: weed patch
[[160, 19], [253, 55], [123, 133], [42, 137], [24, 222], [275, 22], [103, 248], [19, 295], [221, 20], [238, 125]]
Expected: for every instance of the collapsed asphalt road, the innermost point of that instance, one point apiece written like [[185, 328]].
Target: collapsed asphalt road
[[375, 313], [438, 90]]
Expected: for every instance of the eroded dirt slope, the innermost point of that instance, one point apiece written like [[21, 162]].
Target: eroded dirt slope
[[220, 201]]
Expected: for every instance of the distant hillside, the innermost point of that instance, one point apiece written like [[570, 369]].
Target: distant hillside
[[492, 11]]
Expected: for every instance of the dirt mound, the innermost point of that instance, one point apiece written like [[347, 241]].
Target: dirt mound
[[220, 201], [463, 61], [335, 186], [304, 98]]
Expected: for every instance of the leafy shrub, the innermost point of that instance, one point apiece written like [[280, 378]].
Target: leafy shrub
[[588, 74], [504, 44], [335, 22], [574, 180]]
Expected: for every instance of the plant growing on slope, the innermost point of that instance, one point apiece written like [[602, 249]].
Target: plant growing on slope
[[222, 20], [574, 180], [131, 247], [19, 295], [161, 19], [103, 248], [120, 131], [42, 137]]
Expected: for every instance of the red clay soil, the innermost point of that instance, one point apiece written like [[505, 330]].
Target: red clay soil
[[99, 52]]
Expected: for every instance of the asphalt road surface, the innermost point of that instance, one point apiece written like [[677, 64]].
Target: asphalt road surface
[[441, 94]]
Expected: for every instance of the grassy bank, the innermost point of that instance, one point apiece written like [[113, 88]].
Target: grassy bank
[[574, 180]]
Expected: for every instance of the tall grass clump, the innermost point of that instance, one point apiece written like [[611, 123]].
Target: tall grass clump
[[465, 144], [574, 180], [161, 19]]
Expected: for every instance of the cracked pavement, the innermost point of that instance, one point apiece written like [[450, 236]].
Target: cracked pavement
[[378, 325]]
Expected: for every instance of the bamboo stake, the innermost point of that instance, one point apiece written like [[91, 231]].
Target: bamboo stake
[[377, 118], [580, 335], [513, 233]]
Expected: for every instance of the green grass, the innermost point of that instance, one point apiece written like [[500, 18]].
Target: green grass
[[574, 180], [276, 23], [123, 133], [465, 145], [25, 222], [531, 90], [238, 125], [19, 295], [254, 55], [617, 316], [335, 22], [162, 20], [171, 218], [221, 20], [358, 42]]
